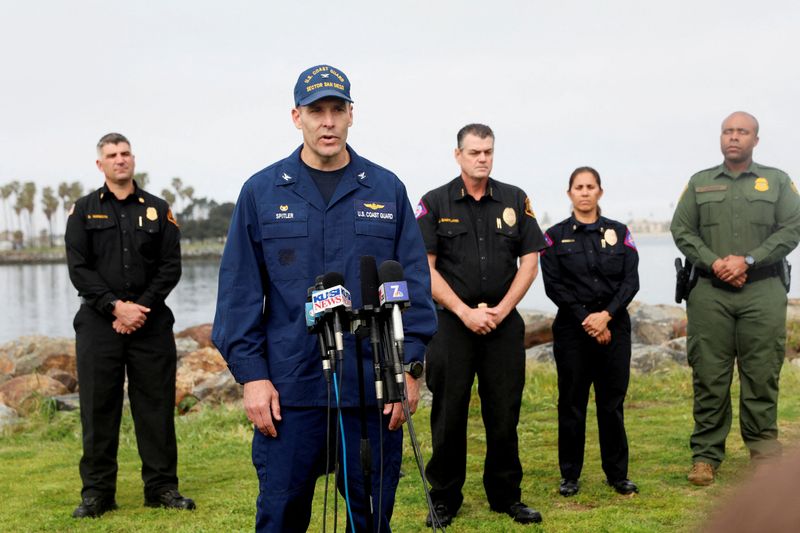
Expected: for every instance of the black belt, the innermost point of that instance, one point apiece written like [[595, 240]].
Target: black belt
[[752, 276]]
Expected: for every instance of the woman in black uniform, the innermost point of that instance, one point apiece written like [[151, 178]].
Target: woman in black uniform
[[590, 273]]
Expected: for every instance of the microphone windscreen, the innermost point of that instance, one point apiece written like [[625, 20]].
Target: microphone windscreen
[[332, 279], [369, 281], [390, 271]]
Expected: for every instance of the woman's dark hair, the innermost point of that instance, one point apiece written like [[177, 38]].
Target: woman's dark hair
[[593, 172], [581, 170]]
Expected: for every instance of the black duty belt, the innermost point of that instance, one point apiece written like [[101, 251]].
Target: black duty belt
[[752, 276]]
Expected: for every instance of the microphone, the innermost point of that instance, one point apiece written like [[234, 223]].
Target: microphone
[[370, 304], [324, 335], [393, 296], [333, 301]]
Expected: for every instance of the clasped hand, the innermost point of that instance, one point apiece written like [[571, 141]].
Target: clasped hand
[[130, 317], [731, 269], [596, 326]]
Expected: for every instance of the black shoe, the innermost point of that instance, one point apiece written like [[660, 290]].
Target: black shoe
[[443, 516], [171, 499], [94, 506], [624, 486], [521, 513], [568, 487]]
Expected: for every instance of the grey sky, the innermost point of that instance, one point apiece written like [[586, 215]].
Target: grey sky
[[203, 89]]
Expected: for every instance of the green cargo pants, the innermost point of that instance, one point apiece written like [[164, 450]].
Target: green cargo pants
[[748, 327]]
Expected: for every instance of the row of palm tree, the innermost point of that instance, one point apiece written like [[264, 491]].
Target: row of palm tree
[[19, 203]]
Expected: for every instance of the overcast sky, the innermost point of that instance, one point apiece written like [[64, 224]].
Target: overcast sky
[[203, 89]]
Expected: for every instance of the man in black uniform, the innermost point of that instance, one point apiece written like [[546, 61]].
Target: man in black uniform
[[474, 229], [124, 257]]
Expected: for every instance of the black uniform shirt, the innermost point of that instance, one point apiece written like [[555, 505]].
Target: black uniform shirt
[[122, 249], [590, 267], [477, 243]]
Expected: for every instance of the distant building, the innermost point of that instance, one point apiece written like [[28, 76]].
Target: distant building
[[641, 226]]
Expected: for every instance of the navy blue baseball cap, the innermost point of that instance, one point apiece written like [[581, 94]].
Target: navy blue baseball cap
[[319, 82]]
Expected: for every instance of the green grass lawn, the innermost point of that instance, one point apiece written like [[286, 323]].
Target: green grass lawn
[[40, 486]]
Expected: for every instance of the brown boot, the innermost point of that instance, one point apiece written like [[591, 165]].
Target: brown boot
[[701, 474]]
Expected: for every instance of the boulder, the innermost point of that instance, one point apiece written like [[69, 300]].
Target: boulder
[[647, 358], [219, 388], [31, 353], [185, 345], [7, 366], [538, 327], [17, 392], [69, 380], [200, 334], [8, 416], [679, 344], [656, 324], [196, 368], [542, 353]]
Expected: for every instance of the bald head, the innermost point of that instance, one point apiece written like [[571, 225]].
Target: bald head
[[745, 116], [738, 139]]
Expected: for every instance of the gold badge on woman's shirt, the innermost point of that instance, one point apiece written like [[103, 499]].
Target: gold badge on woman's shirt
[[509, 216], [610, 237], [151, 213], [762, 185]]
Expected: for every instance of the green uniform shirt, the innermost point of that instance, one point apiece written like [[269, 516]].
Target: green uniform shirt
[[754, 213]]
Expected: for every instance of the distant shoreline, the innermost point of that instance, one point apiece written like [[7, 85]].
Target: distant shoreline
[[44, 257]]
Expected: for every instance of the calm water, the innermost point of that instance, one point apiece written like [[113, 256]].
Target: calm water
[[39, 299]]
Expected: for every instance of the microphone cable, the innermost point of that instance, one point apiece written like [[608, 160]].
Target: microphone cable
[[336, 380]]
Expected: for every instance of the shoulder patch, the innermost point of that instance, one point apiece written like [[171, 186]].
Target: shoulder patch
[[548, 243], [629, 240], [421, 210], [528, 208], [171, 218]]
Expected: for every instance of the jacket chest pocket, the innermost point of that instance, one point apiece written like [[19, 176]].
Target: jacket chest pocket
[[761, 207], [612, 260], [375, 238], [508, 240], [451, 241], [285, 242], [103, 235], [711, 205], [148, 238]]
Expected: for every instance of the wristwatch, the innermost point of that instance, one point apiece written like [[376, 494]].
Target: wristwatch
[[415, 368], [749, 260]]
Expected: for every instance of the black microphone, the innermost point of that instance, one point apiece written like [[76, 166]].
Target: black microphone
[[370, 304], [393, 296]]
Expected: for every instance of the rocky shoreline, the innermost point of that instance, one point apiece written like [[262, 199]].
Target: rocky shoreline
[[37, 369], [210, 250]]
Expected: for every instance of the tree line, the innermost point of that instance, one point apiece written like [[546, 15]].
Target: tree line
[[200, 218]]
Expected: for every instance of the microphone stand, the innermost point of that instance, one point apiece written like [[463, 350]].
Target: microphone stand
[[361, 332]]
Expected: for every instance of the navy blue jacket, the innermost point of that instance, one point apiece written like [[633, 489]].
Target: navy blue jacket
[[282, 236]]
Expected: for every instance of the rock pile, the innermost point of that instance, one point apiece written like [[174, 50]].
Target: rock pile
[[35, 368]]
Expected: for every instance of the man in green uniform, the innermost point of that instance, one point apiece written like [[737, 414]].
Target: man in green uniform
[[736, 222]]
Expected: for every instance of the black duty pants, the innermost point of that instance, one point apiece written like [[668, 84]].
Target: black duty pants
[[581, 362], [148, 355], [454, 357]]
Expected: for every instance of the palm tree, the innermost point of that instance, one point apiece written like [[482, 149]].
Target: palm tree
[[5, 192], [141, 179], [29, 196], [49, 207], [167, 195], [15, 187]]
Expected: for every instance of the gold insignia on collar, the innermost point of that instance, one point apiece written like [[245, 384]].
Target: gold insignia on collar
[[374, 206], [509, 216], [284, 208], [141, 200], [151, 213], [610, 237], [794, 187], [762, 185], [72, 207]]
